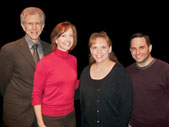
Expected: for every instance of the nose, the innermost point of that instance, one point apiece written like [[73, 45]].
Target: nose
[[137, 51], [99, 50], [68, 38], [34, 26]]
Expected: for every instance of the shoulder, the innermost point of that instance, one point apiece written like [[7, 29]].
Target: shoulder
[[161, 63], [45, 63], [85, 70], [119, 68], [122, 74], [161, 66], [84, 74], [131, 67], [119, 73], [72, 58], [45, 44], [11, 46], [46, 47], [48, 58]]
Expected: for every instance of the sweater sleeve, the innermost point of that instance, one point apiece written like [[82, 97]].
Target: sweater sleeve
[[77, 84], [40, 77], [74, 65], [167, 79], [125, 93], [82, 103]]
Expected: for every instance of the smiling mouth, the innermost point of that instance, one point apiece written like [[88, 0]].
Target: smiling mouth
[[99, 56], [67, 43], [138, 57], [34, 33]]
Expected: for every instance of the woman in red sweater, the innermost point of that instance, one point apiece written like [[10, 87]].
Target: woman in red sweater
[[55, 80]]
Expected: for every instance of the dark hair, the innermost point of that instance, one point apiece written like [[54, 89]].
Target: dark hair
[[139, 35], [61, 28], [103, 35]]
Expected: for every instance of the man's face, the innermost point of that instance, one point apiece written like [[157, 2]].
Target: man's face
[[140, 51], [33, 27]]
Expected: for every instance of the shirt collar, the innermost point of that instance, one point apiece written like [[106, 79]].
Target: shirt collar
[[31, 43]]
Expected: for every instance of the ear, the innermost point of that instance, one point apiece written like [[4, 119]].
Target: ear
[[43, 26], [130, 49], [110, 49], [90, 50], [150, 47], [23, 26]]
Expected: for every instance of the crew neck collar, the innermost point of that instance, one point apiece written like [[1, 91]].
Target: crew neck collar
[[147, 66]]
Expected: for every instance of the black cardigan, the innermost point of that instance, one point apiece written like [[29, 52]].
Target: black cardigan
[[106, 102]]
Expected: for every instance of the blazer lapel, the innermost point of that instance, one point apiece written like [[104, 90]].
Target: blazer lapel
[[24, 49]]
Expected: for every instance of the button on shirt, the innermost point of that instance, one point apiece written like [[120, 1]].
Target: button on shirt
[[97, 84]]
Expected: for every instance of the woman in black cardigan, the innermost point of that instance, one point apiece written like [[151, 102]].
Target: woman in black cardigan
[[105, 87]]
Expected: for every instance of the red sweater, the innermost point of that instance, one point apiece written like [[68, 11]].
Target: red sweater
[[55, 81]]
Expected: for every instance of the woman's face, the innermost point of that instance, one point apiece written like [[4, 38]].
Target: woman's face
[[65, 41], [100, 50]]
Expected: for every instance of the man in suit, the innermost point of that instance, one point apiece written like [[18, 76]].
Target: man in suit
[[17, 66]]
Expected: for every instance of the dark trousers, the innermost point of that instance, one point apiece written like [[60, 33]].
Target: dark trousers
[[62, 121]]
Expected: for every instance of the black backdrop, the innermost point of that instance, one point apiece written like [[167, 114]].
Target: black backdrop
[[118, 18]]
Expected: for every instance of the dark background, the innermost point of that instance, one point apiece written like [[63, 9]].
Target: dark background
[[120, 19]]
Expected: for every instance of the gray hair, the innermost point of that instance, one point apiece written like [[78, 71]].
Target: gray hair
[[31, 11]]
